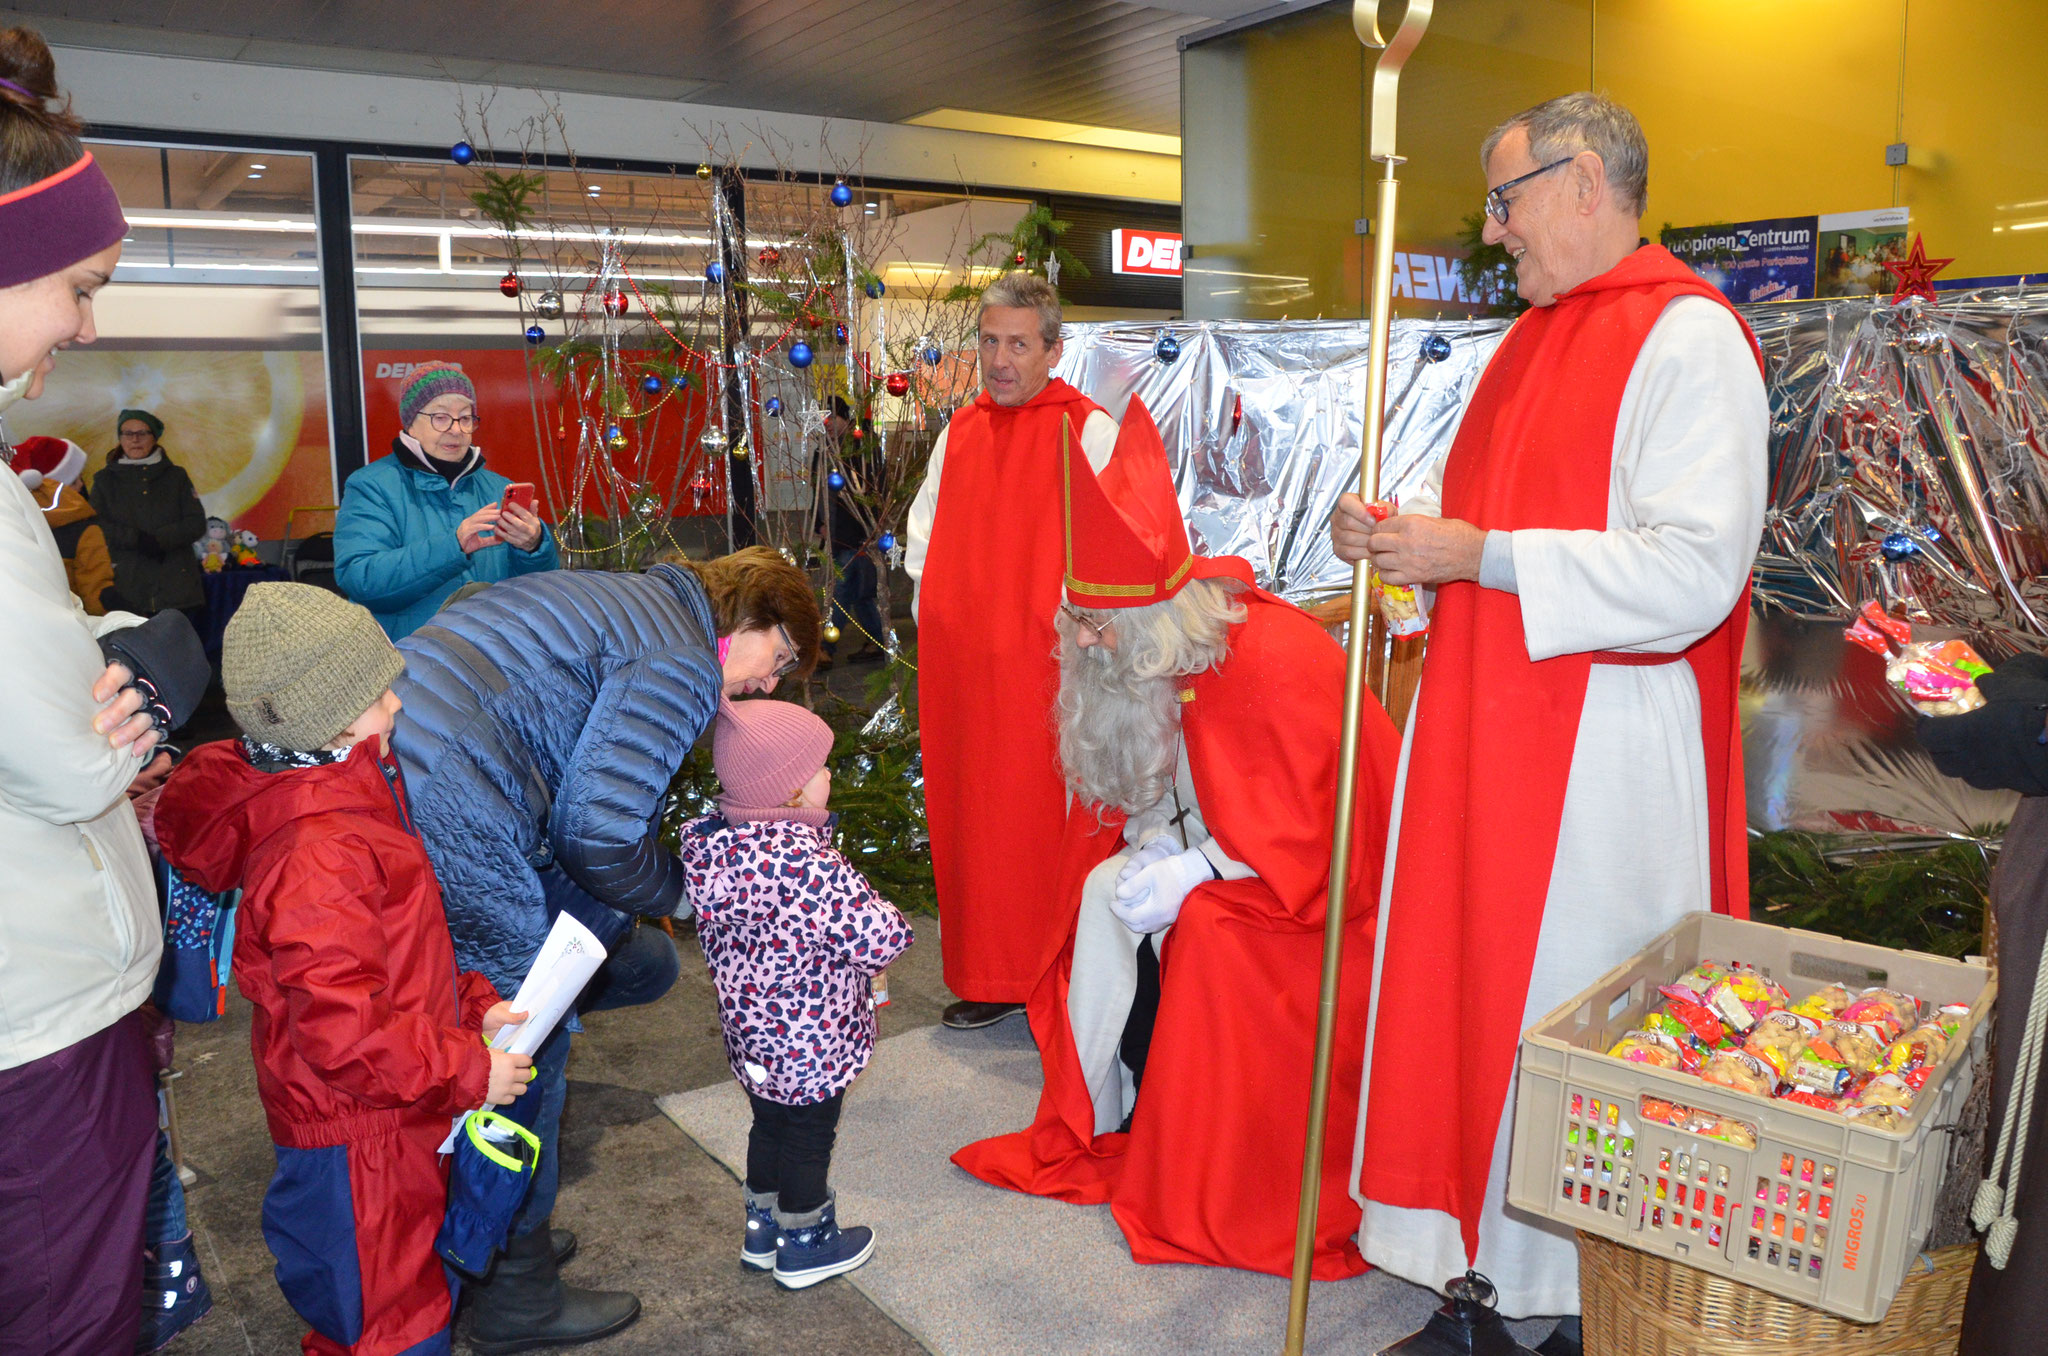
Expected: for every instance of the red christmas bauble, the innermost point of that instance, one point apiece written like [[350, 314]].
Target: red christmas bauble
[[897, 384], [1020, 256], [770, 257], [509, 284], [812, 320], [615, 304], [857, 433]]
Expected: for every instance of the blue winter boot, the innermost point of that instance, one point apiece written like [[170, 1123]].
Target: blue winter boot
[[758, 1251], [814, 1248], [174, 1293]]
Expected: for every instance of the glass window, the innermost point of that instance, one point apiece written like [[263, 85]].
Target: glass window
[[212, 323]]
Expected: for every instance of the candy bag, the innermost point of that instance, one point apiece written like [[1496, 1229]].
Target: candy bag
[[1904, 1008], [1740, 1071], [1825, 1005], [1919, 1048], [1821, 1071], [1818, 1101], [1698, 980], [1682, 1007], [1742, 999], [1403, 605], [1861, 1046], [1656, 1049], [1886, 1090], [1780, 1038], [1877, 1117], [1941, 676]]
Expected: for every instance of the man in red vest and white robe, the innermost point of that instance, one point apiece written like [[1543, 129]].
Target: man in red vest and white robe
[[983, 552], [1201, 717], [1571, 782]]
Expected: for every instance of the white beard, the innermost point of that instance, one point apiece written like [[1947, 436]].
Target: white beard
[[1119, 734]]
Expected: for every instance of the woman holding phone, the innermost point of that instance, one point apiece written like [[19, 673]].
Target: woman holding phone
[[419, 524]]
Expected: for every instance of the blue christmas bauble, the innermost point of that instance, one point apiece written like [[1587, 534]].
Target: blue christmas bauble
[[1435, 348], [611, 430], [462, 153], [534, 334], [836, 481], [1167, 349], [1933, 534], [931, 357], [651, 384], [1898, 546], [887, 541], [841, 194], [839, 333], [773, 405], [799, 354], [714, 272], [875, 288]]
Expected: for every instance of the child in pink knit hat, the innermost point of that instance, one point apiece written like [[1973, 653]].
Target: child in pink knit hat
[[793, 935]]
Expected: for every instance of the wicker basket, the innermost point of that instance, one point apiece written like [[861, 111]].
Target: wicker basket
[[1695, 1313]]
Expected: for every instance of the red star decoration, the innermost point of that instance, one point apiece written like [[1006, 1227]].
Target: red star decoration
[[1916, 273]]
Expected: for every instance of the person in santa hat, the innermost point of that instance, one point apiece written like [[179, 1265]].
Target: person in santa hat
[[49, 468], [1203, 716]]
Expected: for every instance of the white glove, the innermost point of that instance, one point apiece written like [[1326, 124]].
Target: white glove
[[1149, 899], [1157, 848]]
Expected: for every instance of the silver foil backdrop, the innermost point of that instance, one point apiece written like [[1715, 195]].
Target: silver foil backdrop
[[1262, 421], [1906, 466]]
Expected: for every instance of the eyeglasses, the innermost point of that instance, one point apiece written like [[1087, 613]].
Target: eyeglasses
[[795, 657], [443, 422], [135, 433], [1074, 615], [1497, 203]]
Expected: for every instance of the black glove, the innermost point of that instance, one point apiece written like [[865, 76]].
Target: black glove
[[1996, 747], [168, 662]]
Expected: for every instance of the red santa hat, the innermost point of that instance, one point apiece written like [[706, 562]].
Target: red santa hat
[[40, 459], [1126, 543]]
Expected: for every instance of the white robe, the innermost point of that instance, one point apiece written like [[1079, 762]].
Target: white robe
[[1685, 514], [1104, 979]]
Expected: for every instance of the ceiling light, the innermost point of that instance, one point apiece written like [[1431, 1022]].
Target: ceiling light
[[258, 165], [595, 190], [255, 176]]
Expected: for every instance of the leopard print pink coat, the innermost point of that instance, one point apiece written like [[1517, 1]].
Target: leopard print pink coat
[[792, 933]]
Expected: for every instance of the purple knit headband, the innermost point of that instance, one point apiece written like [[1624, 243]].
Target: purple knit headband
[[24, 93], [51, 225]]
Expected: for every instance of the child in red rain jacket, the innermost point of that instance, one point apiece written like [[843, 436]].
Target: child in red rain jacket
[[367, 1040]]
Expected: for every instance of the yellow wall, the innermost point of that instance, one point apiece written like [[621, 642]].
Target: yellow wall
[[1753, 109]]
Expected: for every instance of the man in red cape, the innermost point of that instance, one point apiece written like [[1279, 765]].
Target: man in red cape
[[984, 555], [1572, 783], [1204, 716]]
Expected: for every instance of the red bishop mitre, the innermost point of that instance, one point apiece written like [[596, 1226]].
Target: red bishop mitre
[[1126, 543]]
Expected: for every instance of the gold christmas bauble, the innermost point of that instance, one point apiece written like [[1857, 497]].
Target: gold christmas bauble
[[618, 440], [703, 171], [831, 634]]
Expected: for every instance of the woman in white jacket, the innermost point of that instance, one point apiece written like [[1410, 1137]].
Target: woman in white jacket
[[79, 932]]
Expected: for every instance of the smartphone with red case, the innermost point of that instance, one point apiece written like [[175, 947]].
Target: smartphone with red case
[[520, 492]]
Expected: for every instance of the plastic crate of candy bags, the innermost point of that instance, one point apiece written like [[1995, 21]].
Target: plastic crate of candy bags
[[1823, 1197]]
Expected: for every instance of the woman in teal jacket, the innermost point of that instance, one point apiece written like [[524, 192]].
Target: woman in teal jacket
[[422, 522]]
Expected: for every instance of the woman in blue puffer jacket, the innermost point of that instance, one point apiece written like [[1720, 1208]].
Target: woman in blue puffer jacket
[[543, 721], [419, 524]]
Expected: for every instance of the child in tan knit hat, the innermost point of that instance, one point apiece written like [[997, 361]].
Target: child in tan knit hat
[[793, 934], [366, 1039]]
